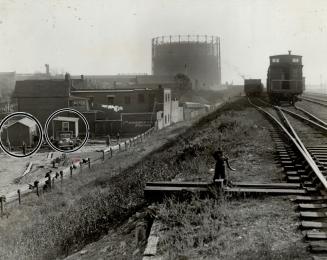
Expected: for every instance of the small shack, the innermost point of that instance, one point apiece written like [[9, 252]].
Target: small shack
[[64, 124], [23, 130]]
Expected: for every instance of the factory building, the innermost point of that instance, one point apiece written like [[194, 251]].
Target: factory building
[[108, 111], [127, 111], [197, 56], [42, 97]]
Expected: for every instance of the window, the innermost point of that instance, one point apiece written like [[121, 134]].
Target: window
[[275, 60], [295, 60], [110, 100], [65, 126], [141, 98], [165, 119], [127, 100]]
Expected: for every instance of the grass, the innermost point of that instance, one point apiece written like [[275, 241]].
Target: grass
[[86, 208], [224, 229]]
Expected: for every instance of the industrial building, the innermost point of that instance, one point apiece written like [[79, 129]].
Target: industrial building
[[197, 56], [42, 97], [108, 111], [127, 111]]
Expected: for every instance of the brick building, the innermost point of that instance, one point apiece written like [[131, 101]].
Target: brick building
[[108, 111], [42, 97], [127, 111]]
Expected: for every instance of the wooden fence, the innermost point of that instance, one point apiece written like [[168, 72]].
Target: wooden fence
[[51, 177]]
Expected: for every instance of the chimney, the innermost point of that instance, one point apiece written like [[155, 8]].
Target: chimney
[[82, 77], [47, 69], [67, 76], [289, 52]]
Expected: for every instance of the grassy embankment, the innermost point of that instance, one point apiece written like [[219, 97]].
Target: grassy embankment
[[249, 228], [84, 209]]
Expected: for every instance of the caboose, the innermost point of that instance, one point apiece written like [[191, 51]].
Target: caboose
[[253, 87], [284, 80]]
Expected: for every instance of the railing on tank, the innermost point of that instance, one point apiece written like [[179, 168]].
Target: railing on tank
[[185, 38]]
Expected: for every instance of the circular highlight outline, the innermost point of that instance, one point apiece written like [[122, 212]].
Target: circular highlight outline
[[40, 133], [46, 126]]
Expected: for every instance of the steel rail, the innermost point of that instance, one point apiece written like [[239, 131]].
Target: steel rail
[[316, 125], [321, 122], [299, 147], [293, 133], [315, 101]]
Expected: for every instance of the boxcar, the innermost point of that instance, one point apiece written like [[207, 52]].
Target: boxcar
[[284, 78], [253, 87]]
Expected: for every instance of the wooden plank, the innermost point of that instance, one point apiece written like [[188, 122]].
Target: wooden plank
[[312, 214], [167, 188], [318, 246], [151, 248], [310, 198], [313, 206], [316, 235], [178, 184], [267, 185], [292, 173], [271, 191], [313, 224]]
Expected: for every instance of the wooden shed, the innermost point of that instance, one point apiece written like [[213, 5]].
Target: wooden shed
[[20, 131]]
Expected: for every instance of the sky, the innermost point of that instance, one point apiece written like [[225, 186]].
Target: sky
[[111, 37]]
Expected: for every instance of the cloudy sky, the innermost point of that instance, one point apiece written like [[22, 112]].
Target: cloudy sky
[[110, 37]]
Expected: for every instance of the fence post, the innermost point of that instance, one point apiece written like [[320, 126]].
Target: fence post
[[71, 171], [2, 199], [110, 152], [89, 163], [36, 185], [119, 146], [61, 178], [103, 155], [19, 198], [125, 145], [80, 167]]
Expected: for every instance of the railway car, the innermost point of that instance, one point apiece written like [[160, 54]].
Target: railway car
[[284, 78], [253, 87]]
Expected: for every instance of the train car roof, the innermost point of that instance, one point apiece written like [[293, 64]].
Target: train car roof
[[285, 59], [285, 56]]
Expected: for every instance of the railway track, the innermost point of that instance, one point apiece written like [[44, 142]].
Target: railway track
[[303, 155], [316, 100]]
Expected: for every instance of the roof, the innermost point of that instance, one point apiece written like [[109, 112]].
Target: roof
[[41, 88], [193, 105], [65, 118], [284, 56], [76, 98], [112, 90], [24, 121]]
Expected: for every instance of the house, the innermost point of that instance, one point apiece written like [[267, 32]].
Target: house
[[22, 130], [63, 124]]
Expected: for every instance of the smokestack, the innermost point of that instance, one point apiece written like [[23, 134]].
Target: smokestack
[[47, 69], [82, 77]]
